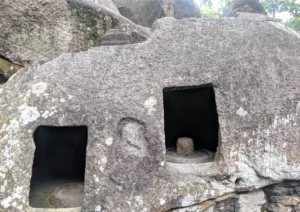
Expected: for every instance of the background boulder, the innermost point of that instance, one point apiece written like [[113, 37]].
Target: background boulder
[[42, 30], [146, 12], [246, 6]]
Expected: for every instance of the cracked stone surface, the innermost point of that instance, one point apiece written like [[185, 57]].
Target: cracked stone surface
[[117, 92], [41, 30], [251, 202]]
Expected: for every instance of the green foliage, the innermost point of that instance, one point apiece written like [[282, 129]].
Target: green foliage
[[207, 3], [271, 6], [274, 6], [294, 23], [207, 10]]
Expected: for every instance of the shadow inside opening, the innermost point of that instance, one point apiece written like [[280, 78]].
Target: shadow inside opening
[[58, 168], [190, 111]]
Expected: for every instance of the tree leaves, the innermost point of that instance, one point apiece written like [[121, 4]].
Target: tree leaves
[[275, 6]]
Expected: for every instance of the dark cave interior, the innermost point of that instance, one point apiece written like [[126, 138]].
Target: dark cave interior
[[59, 159], [190, 111]]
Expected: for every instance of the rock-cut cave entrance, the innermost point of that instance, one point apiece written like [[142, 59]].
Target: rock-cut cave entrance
[[58, 166], [190, 111]]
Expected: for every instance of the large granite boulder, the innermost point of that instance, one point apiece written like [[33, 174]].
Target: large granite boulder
[[117, 92], [245, 6], [141, 12], [147, 11], [41, 30], [181, 8]]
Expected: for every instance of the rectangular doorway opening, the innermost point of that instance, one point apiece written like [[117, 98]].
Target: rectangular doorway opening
[[191, 112], [58, 167]]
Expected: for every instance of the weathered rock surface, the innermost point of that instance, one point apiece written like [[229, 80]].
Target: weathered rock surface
[[221, 204], [286, 200], [251, 202], [41, 30], [283, 197], [117, 91], [146, 12], [254, 16], [108, 4]]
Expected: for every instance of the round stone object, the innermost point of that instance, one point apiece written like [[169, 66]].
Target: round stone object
[[185, 146], [68, 195], [199, 156]]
